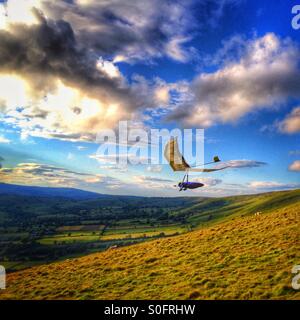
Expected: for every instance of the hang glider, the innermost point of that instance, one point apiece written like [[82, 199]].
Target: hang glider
[[178, 163]]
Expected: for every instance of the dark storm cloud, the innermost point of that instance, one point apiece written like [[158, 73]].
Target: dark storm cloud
[[139, 29], [136, 28], [49, 50]]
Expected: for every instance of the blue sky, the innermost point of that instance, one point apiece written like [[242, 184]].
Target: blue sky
[[71, 69]]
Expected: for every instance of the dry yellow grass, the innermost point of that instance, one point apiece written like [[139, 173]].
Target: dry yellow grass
[[245, 258]]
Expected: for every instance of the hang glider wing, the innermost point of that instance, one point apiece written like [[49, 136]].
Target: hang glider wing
[[207, 170], [178, 163], [174, 157]]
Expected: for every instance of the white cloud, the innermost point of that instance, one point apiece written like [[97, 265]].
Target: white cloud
[[74, 91], [109, 69], [291, 124], [120, 159], [242, 164], [208, 181], [272, 185], [17, 11], [295, 166], [154, 168], [4, 140], [148, 182], [53, 176], [80, 148], [66, 113], [80, 90], [175, 50], [265, 76]]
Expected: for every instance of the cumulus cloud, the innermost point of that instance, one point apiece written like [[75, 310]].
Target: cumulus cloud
[[122, 30], [265, 76], [295, 166], [130, 30], [291, 124], [127, 30], [51, 86], [58, 60], [54, 85]]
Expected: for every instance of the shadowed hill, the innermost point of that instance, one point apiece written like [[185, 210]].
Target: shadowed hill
[[69, 193], [246, 257]]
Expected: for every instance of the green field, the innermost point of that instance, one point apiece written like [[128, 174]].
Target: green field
[[35, 231], [70, 235], [242, 257], [93, 228]]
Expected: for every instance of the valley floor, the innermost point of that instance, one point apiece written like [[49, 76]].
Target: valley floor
[[248, 257]]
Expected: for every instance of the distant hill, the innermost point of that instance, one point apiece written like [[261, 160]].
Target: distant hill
[[242, 256], [89, 198], [48, 192]]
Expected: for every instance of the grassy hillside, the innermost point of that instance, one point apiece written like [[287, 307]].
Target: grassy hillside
[[245, 257], [38, 230], [212, 210]]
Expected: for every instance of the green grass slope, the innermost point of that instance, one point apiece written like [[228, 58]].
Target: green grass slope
[[244, 257], [214, 210]]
